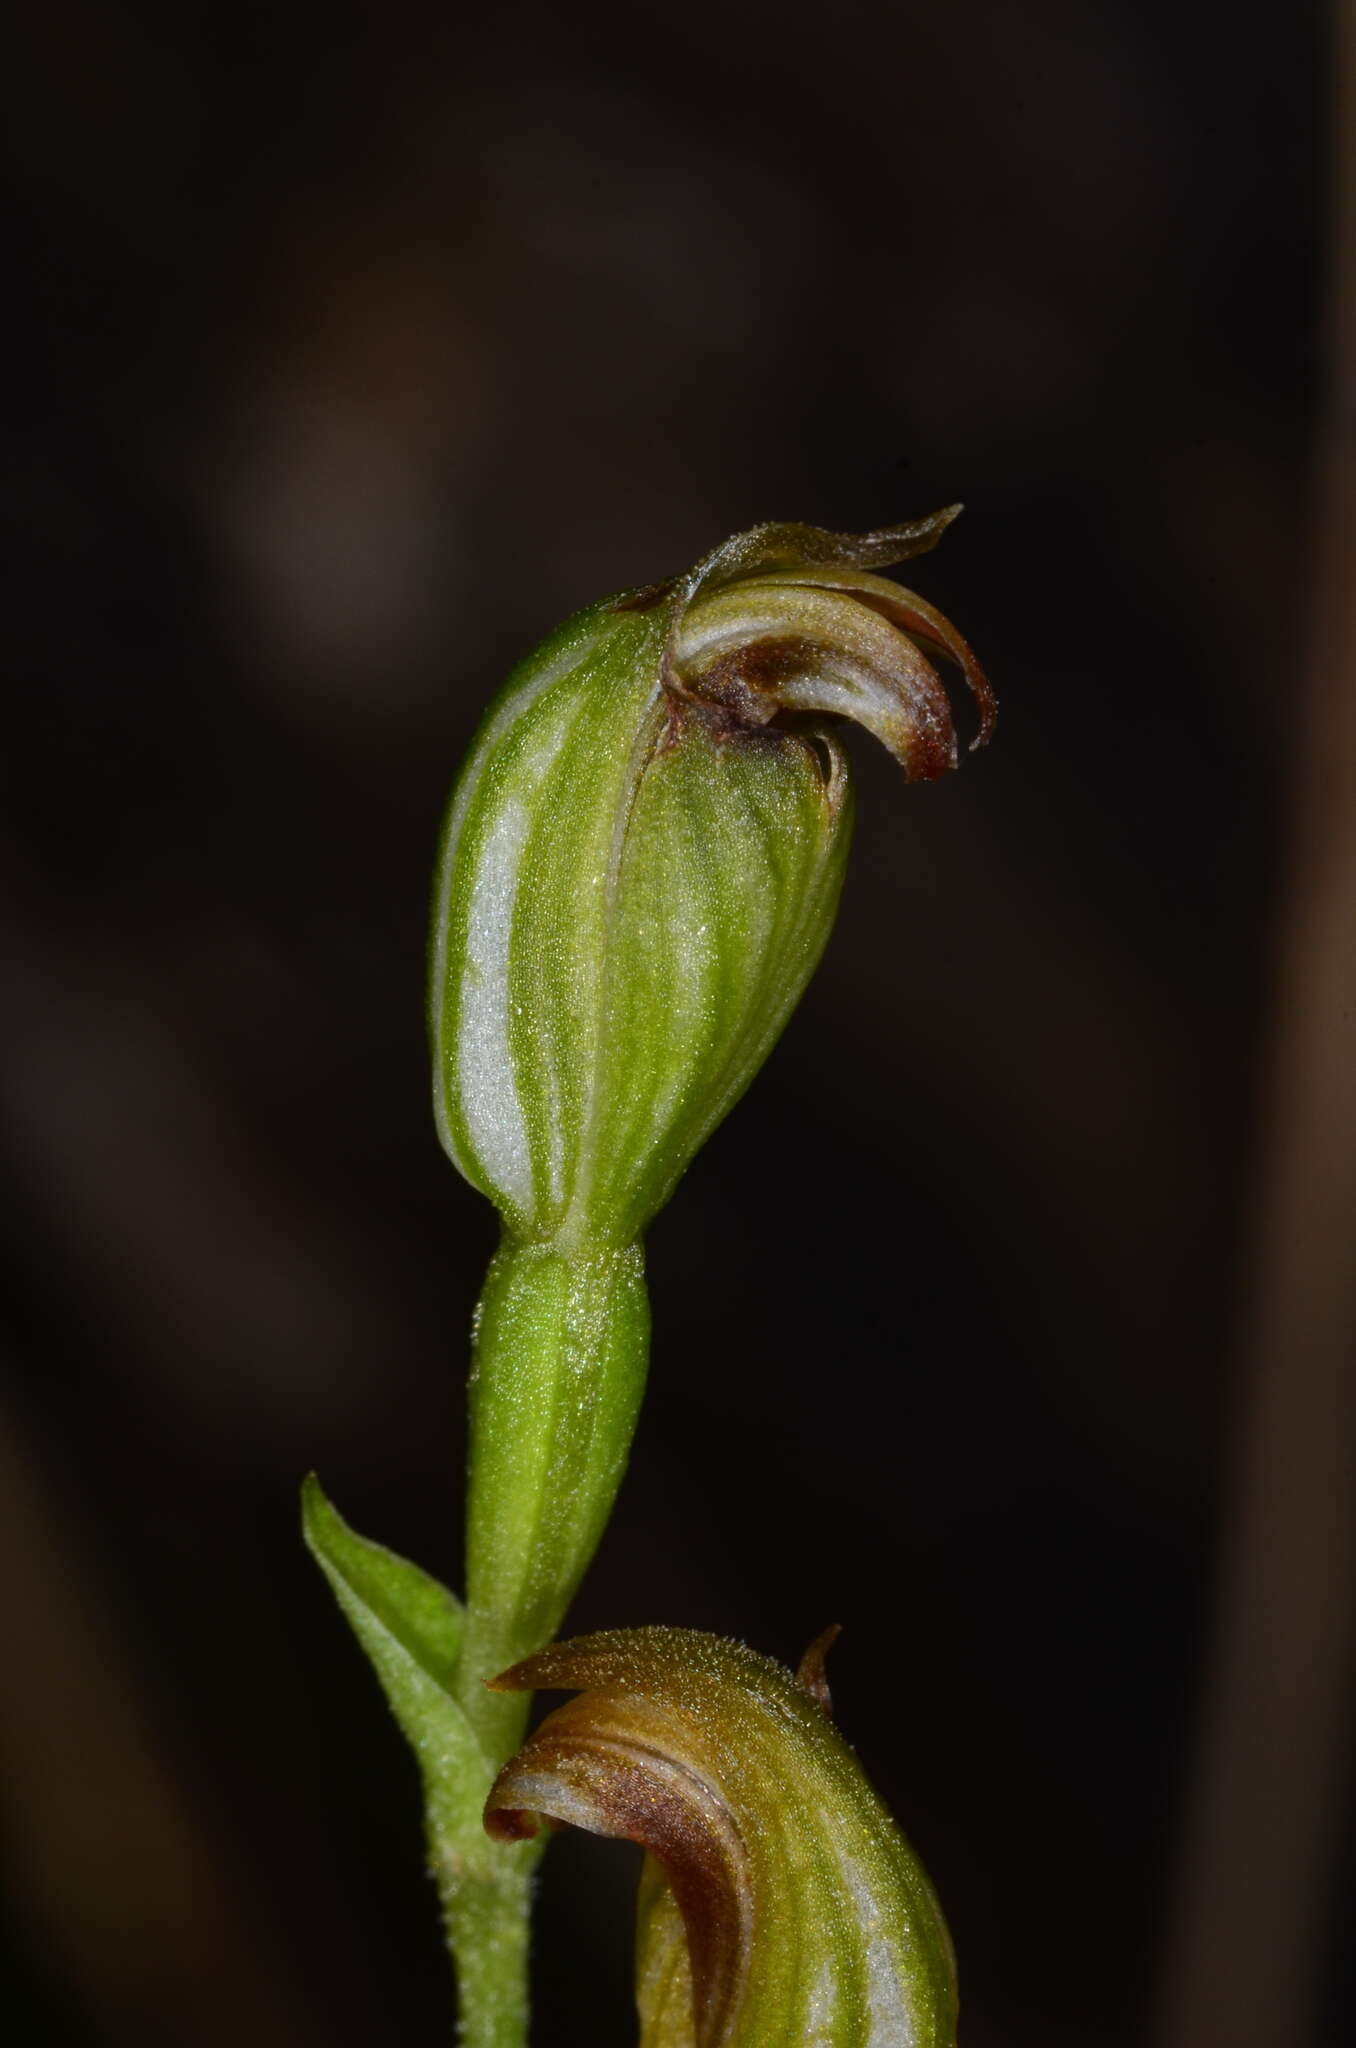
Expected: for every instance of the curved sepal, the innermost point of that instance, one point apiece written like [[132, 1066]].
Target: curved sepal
[[790, 620], [806, 1921]]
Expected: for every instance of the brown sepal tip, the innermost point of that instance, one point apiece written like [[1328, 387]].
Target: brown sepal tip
[[811, 1675]]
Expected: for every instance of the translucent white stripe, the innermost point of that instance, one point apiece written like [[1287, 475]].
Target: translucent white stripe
[[512, 708], [487, 1084], [821, 2014], [887, 1994]]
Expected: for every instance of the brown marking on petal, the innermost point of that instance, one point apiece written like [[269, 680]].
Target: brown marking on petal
[[770, 674], [730, 722], [919, 621], [746, 680], [810, 1672], [582, 1767], [931, 747], [512, 1824], [743, 686], [780, 546], [924, 622]]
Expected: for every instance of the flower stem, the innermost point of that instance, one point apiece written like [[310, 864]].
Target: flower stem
[[560, 1354], [559, 1368], [486, 1918]]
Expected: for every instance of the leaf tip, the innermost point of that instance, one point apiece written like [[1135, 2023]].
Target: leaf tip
[[315, 1508]]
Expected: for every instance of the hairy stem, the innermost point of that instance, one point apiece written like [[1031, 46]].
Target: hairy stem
[[486, 1916]]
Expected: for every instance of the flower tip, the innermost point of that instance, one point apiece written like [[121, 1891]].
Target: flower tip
[[811, 1675], [786, 622], [511, 1680], [909, 536], [549, 1669]]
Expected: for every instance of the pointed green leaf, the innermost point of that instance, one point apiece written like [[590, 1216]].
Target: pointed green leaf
[[411, 1628]]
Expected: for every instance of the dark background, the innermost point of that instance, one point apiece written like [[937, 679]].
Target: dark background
[[355, 348]]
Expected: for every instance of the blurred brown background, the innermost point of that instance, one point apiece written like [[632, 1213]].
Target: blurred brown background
[[355, 348]]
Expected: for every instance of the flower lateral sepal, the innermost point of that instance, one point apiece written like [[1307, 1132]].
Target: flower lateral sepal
[[780, 1901]]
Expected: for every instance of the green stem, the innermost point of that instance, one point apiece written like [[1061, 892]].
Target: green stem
[[556, 1381], [486, 1917], [559, 1369]]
